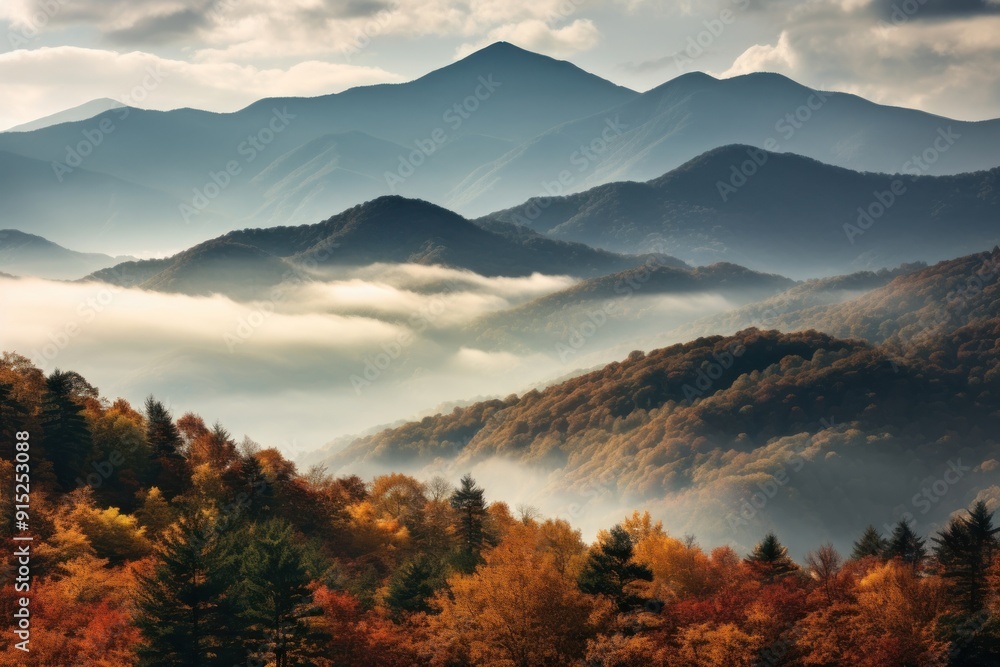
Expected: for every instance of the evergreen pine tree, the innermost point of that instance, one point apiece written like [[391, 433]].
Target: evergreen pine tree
[[871, 543], [610, 569], [168, 471], [184, 608], [67, 437], [906, 545], [413, 584], [965, 551], [272, 593], [470, 504], [770, 559]]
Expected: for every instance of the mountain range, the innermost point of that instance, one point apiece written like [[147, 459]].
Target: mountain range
[[791, 214], [481, 134]]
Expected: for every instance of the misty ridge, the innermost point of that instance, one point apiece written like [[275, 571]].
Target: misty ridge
[[741, 304]]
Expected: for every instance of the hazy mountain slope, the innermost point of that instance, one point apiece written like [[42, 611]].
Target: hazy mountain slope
[[831, 432], [782, 308], [794, 215], [687, 116], [88, 211], [81, 112], [644, 300], [29, 255], [915, 307], [220, 266], [387, 229]]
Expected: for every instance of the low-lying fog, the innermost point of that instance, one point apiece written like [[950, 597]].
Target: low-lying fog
[[323, 360]]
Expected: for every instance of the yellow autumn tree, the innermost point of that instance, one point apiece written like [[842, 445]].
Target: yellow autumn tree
[[515, 610], [723, 645], [679, 569]]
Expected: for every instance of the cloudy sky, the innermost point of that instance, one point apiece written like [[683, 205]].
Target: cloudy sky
[[936, 55]]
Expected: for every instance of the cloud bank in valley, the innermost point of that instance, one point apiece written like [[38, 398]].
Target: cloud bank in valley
[[280, 371]]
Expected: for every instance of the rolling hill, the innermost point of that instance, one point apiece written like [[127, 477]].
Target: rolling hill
[[387, 229]]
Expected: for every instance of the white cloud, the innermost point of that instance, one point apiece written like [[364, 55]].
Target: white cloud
[[945, 66], [280, 369], [149, 81], [537, 35]]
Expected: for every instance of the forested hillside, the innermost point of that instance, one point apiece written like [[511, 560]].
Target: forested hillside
[[162, 541]]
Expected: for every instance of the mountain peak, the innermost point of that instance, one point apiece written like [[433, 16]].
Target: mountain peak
[[513, 65], [81, 112], [506, 51]]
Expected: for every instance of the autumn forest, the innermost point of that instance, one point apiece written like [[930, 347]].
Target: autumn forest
[[159, 540]]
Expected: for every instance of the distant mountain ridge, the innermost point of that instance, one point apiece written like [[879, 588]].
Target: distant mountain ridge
[[440, 125], [621, 305], [24, 254], [694, 113], [788, 213], [81, 112], [480, 134]]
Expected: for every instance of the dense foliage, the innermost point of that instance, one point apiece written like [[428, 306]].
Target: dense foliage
[[162, 541]]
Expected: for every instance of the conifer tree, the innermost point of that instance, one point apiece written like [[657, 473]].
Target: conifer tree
[[610, 569], [272, 594], [871, 543], [770, 559], [165, 442], [413, 584], [67, 437], [965, 550], [185, 608], [469, 503], [906, 545]]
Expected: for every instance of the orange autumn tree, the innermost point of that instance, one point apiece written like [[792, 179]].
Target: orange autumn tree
[[891, 621], [515, 610]]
